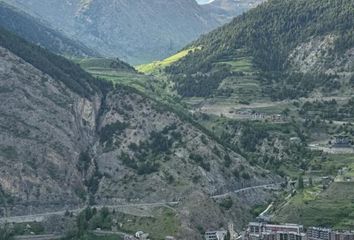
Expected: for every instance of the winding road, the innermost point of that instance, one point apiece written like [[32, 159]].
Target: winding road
[[41, 217]]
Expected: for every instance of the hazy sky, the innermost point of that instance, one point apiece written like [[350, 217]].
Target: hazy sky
[[204, 1]]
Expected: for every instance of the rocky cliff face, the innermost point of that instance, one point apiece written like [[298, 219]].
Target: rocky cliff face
[[316, 56], [59, 149], [176, 155], [42, 135], [157, 28]]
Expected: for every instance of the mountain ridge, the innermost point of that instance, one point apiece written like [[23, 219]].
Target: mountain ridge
[[226, 10], [37, 32], [165, 25]]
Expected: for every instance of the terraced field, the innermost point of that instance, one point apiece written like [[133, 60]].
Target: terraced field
[[242, 64], [333, 207], [137, 81], [319, 206]]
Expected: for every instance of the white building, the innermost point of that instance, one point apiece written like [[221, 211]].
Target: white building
[[215, 235]]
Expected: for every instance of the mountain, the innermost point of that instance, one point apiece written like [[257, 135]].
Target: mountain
[[226, 10], [286, 49], [68, 139], [37, 32], [157, 28]]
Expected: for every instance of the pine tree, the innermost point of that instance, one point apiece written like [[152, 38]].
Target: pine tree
[[300, 183], [228, 236]]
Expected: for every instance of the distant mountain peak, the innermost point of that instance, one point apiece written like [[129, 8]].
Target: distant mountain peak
[[156, 27]]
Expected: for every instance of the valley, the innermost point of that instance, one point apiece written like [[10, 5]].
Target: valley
[[252, 121]]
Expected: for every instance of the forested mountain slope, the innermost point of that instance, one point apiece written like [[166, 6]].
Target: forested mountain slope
[[292, 47], [68, 139], [39, 33]]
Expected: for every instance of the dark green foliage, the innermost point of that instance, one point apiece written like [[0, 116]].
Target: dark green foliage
[[251, 137], [200, 229], [268, 34], [257, 209], [159, 142], [228, 161], [228, 236], [345, 41], [22, 229], [142, 165], [91, 219], [200, 161], [6, 233], [236, 173], [82, 221], [127, 161], [84, 161], [351, 81], [294, 85], [108, 131], [57, 67], [300, 183], [93, 180], [200, 85], [330, 110], [148, 168], [8, 152], [147, 153], [183, 115], [272, 30], [101, 220], [204, 140], [246, 176], [227, 203], [5, 198]]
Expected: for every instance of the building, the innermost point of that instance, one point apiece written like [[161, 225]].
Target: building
[[314, 233], [283, 236], [170, 238], [215, 235], [140, 235], [264, 231], [347, 235], [259, 227], [342, 141]]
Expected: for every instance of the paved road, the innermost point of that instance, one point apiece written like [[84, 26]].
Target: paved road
[[35, 217], [41, 217], [39, 237], [105, 233], [264, 186]]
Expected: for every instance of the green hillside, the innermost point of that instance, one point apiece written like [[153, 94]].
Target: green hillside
[[330, 208], [268, 35], [156, 66]]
